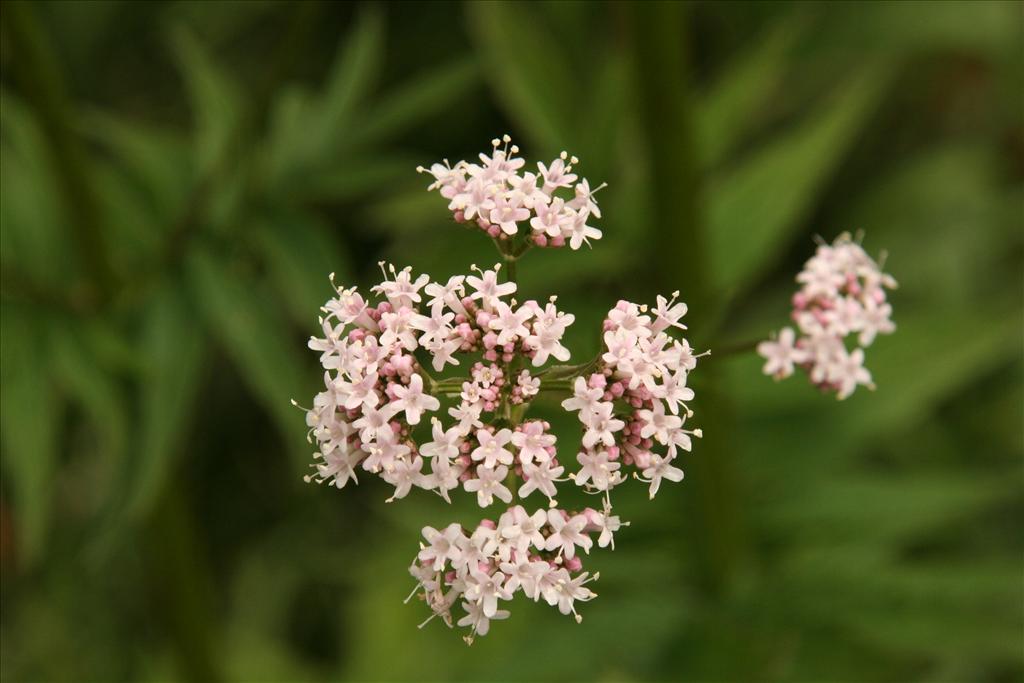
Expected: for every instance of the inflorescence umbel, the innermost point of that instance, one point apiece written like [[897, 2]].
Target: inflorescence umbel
[[429, 384], [842, 297]]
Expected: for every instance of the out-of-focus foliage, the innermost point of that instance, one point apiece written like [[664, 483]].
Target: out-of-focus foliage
[[178, 179]]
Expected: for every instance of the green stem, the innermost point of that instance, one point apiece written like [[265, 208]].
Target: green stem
[[659, 32], [733, 350], [183, 587], [510, 269], [569, 371]]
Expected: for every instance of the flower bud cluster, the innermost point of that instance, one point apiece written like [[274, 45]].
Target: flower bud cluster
[[842, 297], [551, 206], [535, 554]]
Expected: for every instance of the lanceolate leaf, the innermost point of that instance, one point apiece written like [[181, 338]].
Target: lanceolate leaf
[[756, 206], [94, 389], [425, 94], [740, 94], [527, 70], [354, 70], [255, 337], [216, 100], [31, 223], [306, 129], [908, 360], [301, 252], [355, 177], [156, 160], [172, 347], [30, 419]]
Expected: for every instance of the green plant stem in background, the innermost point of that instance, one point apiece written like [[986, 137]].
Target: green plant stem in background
[[510, 269], [182, 587], [734, 350], [663, 78]]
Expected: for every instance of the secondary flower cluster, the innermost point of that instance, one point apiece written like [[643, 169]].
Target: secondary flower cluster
[[552, 205], [843, 296], [635, 400], [533, 553], [376, 391]]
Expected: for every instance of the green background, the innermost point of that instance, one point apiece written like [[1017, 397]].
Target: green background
[[178, 179]]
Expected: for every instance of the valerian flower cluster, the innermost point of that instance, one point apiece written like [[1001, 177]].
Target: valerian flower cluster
[[553, 204], [842, 297], [428, 384], [535, 554], [634, 402], [376, 391]]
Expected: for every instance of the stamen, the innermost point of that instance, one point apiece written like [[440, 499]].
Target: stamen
[[407, 599]]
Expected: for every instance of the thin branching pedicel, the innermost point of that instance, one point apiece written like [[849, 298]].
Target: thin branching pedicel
[[843, 296], [430, 385]]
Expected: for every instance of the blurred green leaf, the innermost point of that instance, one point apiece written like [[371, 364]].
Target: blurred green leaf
[[755, 207], [95, 389], [902, 507], [528, 71], [110, 346], [791, 416], [936, 215], [741, 94], [216, 99], [907, 365], [31, 221], [606, 120], [423, 95], [218, 24], [157, 161], [301, 254], [305, 130], [989, 28], [31, 415], [172, 346], [253, 335], [953, 608], [354, 71], [130, 224], [347, 181]]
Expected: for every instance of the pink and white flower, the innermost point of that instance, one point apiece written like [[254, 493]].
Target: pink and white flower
[[842, 298], [551, 207]]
